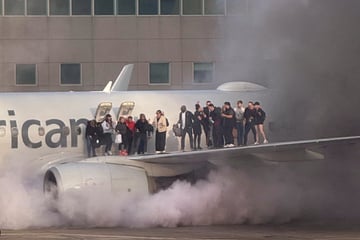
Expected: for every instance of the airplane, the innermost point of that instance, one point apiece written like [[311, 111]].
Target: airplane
[[47, 129]]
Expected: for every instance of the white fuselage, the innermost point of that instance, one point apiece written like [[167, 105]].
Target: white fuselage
[[33, 125]]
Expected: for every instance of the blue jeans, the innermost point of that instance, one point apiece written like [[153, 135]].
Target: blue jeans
[[240, 133]]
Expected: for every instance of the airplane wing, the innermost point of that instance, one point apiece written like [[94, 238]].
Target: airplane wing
[[273, 152]]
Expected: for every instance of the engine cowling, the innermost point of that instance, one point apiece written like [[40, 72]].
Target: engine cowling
[[115, 178]]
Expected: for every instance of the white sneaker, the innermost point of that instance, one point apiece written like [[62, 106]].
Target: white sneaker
[[256, 143], [231, 145], [266, 141], [226, 145], [157, 152], [109, 153]]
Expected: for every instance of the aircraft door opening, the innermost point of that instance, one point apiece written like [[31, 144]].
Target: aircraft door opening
[[103, 109], [126, 109]]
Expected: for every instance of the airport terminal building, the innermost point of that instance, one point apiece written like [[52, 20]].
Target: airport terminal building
[[62, 45]]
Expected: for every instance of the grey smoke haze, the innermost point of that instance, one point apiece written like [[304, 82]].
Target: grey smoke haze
[[309, 51], [321, 191]]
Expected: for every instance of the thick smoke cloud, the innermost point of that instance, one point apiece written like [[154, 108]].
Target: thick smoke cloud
[[321, 191], [308, 51]]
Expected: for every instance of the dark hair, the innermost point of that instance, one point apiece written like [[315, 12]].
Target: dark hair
[[256, 103], [251, 102], [159, 111], [108, 115], [211, 105], [197, 106], [227, 103], [239, 102]]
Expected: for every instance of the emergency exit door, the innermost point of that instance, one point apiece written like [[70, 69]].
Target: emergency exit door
[[103, 109], [126, 109]]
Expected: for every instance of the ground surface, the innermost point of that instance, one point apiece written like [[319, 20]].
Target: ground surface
[[286, 232]]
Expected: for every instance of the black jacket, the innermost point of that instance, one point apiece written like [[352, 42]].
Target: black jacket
[[250, 115], [189, 118], [260, 116]]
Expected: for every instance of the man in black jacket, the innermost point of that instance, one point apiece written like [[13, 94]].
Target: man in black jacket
[[228, 115], [186, 119], [249, 119], [216, 120]]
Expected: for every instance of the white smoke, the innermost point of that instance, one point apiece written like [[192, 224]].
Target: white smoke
[[255, 195]]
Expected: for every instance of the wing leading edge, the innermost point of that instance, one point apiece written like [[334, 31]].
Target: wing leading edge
[[274, 152]]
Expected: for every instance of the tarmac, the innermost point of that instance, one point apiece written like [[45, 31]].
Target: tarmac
[[248, 232]]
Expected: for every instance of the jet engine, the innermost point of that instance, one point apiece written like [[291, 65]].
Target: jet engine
[[109, 177]]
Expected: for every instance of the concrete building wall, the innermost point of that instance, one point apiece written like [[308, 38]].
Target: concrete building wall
[[103, 45]]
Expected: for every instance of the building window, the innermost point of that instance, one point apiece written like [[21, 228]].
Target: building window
[[36, 7], [159, 73], [203, 72], [126, 7], [170, 7], [25, 74], [148, 7], [14, 7], [1, 12], [81, 7], [70, 73], [104, 7], [214, 7], [192, 7], [59, 7]]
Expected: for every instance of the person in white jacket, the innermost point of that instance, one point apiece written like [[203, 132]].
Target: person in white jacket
[[108, 129]]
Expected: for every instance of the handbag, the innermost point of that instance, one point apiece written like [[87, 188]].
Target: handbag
[[177, 130], [118, 138]]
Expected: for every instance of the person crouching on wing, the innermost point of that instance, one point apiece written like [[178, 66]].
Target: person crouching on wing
[[259, 122], [160, 135], [108, 128]]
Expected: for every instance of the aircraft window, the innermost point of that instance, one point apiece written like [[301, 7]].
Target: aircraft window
[[41, 131], [66, 130], [126, 109], [103, 109], [2, 131], [14, 132]]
